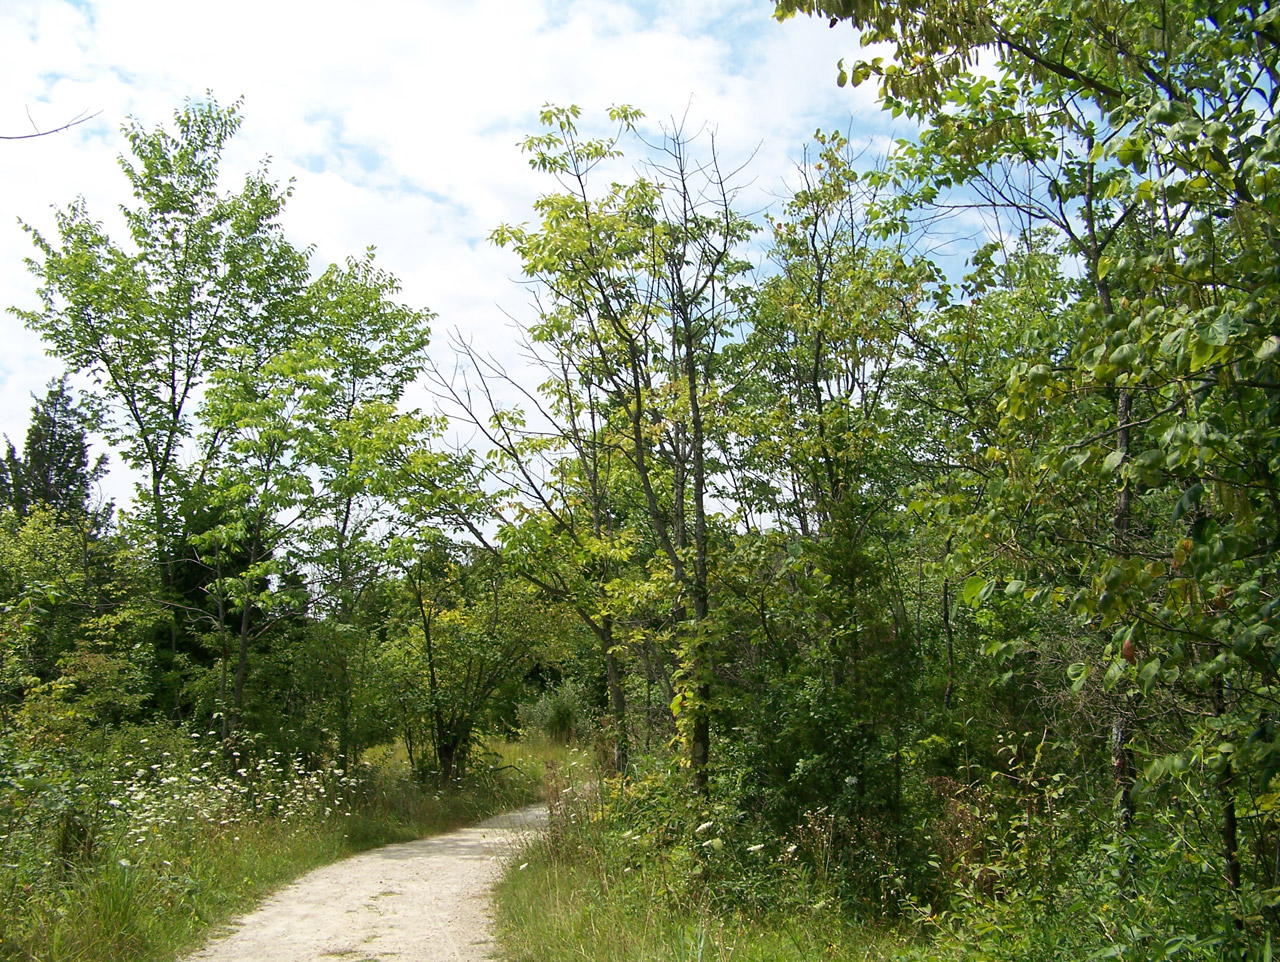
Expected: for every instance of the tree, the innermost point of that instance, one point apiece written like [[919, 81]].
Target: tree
[[464, 630], [642, 283], [257, 492], [1145, 136], [151, 319], [54, 468], [564, 532], [367, 349], [56, 546]]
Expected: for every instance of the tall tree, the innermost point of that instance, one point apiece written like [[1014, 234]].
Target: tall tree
[[367, 349], [258, 492], [643, 283], [566, 534], [149, 319], [1145, 135]]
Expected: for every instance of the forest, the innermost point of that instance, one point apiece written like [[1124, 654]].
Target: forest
[[905, 557]]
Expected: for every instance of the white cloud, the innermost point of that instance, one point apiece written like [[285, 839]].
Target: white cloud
[[399, 121]]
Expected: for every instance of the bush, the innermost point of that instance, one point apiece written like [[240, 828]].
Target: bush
[[561, 713]]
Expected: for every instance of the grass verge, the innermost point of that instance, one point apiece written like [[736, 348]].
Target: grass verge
[[591, 889], [552, 911]]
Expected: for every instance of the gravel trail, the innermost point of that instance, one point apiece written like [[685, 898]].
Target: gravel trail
[[423, 901]]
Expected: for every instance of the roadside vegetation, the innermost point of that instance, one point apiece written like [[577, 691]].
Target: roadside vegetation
[[600, 884]]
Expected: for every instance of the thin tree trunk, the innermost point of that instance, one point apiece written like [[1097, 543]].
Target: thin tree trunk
[[242, 666], [1230, 828], [1122, 762], [951, 655], [617, 697]]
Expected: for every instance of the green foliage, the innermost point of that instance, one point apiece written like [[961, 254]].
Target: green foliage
[[460, 631], [970, 581], [606, 886], [54, 469], [1124, 474], [645, 282], [561, 713], [76, 605], [1031, 879], [150, 320]]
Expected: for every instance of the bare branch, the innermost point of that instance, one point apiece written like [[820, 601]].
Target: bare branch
[[80, 118]]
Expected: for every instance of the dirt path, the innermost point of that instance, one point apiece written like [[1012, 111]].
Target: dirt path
[[421, 901]]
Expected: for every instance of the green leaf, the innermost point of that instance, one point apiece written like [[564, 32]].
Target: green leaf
[[1115, 671], [1124, 355], [1148, 674], [1078, 674], [1218, 332]]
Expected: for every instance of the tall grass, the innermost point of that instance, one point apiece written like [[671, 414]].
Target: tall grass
[[139, 857], [648, 870], [553, 911], [592, 888]]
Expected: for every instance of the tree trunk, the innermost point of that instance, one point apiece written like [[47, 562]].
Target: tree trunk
[[242, 668], [951, 655], [617, 697], [1122, 761]]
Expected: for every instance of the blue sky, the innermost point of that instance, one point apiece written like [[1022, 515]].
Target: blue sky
[[399, 124]]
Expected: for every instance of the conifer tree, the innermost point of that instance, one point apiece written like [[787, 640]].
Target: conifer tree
[[54, 468]]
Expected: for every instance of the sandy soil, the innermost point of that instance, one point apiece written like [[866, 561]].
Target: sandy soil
[[424, 901]]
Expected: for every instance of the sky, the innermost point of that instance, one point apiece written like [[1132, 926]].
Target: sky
[[399, 124]]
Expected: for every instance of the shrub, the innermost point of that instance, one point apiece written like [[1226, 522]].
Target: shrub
[[561, 713]]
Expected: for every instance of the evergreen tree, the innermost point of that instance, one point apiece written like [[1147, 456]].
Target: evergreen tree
[[54, 468], [10, 474]]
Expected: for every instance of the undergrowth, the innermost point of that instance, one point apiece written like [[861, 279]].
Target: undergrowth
[[650, 870], [594, 886]]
